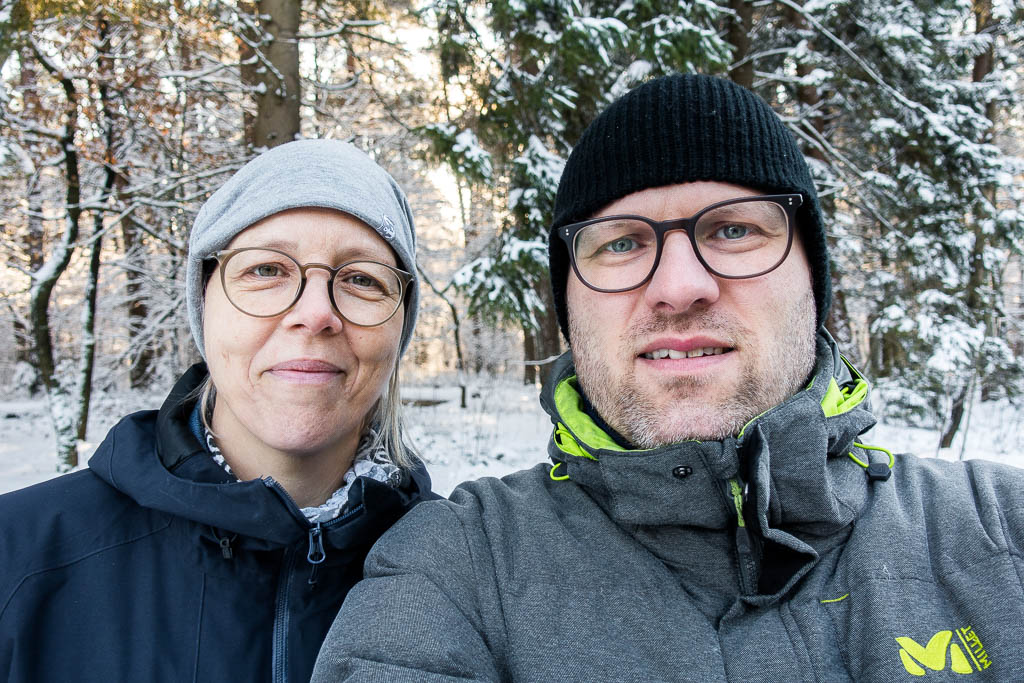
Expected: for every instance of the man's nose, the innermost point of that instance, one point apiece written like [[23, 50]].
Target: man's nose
[[680, 281], [314, 310]]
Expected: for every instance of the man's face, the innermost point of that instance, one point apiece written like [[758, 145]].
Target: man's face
[[760, 333]]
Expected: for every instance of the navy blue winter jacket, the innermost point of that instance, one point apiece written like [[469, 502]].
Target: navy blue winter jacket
[[151, 565]]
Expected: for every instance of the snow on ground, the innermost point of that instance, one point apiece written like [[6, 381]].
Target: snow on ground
[[501, 430]]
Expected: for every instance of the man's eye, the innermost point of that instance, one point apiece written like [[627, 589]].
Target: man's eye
[[733, 231], [621, 245]]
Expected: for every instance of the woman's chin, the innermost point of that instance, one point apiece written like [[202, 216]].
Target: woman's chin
[[306, 444]]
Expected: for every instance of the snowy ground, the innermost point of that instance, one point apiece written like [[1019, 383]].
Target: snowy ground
[[503, 429]]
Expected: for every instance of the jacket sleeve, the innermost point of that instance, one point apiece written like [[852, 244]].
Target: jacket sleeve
[[419, 614]]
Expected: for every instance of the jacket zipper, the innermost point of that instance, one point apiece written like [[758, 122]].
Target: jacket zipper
[[282, 609], [744, 542], [279, 651], [315, 556]]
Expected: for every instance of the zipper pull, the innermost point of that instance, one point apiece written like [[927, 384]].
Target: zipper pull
[[745, 550], [316, 554], [224, 543]]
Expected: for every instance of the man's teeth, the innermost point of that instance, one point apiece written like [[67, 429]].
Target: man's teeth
[[692, 353]]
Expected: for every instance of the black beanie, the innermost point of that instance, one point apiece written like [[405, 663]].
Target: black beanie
[[681, 129]]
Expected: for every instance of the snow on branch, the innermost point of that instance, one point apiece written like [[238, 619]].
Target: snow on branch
[[345, 27], [910, 104]]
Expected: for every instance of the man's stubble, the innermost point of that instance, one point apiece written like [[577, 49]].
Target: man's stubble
[[770, 375]]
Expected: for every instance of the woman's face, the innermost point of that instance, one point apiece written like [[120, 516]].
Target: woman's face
[[303, 381]]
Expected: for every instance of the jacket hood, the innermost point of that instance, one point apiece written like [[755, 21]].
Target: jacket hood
[[153, 457], [789, 474]]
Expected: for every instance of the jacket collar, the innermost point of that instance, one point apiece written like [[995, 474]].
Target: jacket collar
[[791, 462], [154, 458]]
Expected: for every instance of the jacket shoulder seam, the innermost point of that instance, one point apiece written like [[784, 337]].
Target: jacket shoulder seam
[[67, 563]]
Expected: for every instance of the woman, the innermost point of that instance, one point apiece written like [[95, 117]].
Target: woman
[[215, 539]]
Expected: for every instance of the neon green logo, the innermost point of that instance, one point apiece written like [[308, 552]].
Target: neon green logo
[[933, 655]]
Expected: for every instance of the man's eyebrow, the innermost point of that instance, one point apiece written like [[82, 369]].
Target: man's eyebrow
[[748, 208]]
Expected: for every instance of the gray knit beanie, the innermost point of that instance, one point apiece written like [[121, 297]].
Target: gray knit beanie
[[680, 129], [327, 174]]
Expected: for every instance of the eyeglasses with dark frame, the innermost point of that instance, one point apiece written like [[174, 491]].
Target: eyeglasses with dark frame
[[264, 283], [734, 239]]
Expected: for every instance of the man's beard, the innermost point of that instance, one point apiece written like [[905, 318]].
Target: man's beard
[[774, 371]]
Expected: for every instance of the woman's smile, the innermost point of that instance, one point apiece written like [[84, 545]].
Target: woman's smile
[[306, 371]]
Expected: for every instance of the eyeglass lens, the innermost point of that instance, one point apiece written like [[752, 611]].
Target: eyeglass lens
[[265, 283], [734, 240]]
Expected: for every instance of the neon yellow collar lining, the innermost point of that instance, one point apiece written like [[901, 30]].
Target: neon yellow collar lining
[[576, 424]]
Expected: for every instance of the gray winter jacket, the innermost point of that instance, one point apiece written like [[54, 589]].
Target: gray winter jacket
[[786, 554]]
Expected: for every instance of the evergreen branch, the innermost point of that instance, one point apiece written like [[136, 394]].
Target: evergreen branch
[[874, 75], [817, 140]]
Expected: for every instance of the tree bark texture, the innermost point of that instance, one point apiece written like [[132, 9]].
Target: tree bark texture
[[979, 274], [544, 343], [44, 280], [740, 25], [87, 362], [808, 95], [277, 74]]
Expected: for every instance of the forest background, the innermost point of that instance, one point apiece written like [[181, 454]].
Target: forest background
[[118, 119]]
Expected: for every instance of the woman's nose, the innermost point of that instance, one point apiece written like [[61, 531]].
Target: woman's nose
[[680, 281], [314, 310]]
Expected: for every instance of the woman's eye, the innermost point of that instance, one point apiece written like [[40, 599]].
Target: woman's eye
[[363, 281], [267, 270]]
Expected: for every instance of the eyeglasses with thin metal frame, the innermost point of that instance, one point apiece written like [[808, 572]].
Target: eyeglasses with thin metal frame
[[570, 233], [403, 278]]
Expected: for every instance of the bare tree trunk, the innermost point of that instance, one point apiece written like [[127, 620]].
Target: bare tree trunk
[[529, 355], [808, 95], [956, 415], [248, 69], [44, 279], [88, 359], [548, 339], [838, 321], [34, 237], [87, 362], [979, 274], [23, 339], [983, 64], [459, 358], [275, 73], [142, 355], [740, 25]]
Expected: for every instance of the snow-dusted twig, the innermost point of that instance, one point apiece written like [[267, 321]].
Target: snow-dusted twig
[[346, 26], [817, 140]]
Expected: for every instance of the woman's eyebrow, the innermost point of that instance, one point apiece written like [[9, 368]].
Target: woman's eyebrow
[[288, 246], [342, 255]]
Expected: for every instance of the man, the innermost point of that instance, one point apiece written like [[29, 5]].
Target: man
[[709, 513]]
